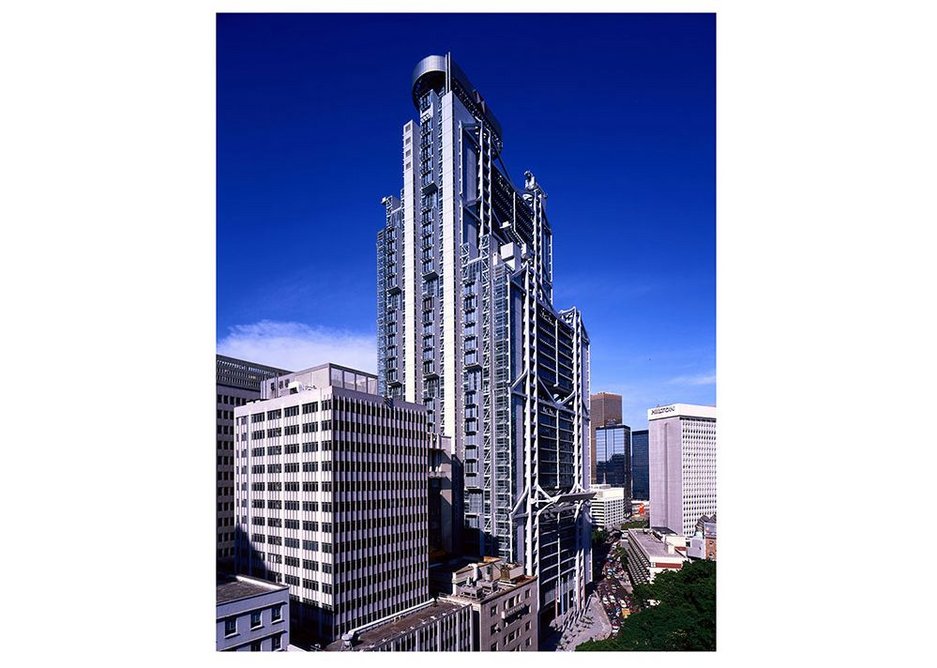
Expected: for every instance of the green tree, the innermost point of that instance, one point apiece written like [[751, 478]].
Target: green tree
[[677, 612]]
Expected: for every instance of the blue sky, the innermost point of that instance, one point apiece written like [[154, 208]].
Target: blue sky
[[615, 114]]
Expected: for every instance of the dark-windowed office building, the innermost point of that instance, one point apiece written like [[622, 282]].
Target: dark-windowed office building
[[640, 485], [613, 458]]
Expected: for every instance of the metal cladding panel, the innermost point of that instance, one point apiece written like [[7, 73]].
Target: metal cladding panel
[[408, 346], [452, 225]]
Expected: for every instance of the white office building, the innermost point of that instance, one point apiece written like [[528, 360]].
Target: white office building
[[608, 506], [682, 465], [330, 491]]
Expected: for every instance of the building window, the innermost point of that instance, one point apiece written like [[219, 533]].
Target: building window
[[256, 621], [230, 626], [255, 646], [276, 614], [275, 642]]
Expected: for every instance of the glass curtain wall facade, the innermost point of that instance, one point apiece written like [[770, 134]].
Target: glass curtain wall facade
[[613, 457], [640, 486], [467, 327]]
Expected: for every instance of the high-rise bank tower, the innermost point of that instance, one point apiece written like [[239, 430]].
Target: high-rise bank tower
[[467, 326]]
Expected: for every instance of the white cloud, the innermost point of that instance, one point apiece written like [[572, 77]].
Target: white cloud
[[296, 346], [701, 379]]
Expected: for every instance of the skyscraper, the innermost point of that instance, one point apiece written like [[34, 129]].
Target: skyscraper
[[613, 457], [604, 410], [682, 464], [467, 327], [639, 482]]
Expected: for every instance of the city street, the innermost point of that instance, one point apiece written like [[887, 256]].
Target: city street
[[613, 587], [607, 606]]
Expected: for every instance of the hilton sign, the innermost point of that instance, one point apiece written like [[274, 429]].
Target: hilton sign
[[683, 410]]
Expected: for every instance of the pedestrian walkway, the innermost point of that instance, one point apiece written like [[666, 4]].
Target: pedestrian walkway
[[592, 624]]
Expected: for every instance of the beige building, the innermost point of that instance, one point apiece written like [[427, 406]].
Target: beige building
[[681, 465], [702, 545], [504, 603], [652, 552]]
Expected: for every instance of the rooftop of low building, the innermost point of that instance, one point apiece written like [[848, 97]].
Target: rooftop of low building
[[373, 636], [651, 544], [236, 587]]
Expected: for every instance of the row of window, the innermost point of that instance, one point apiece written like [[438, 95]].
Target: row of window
[[307, 525], [291, 486], [228, 399], [290, 411], [289, 467], [276, 504], [308, 545], [276, 615], [289, 449], [289, 430]]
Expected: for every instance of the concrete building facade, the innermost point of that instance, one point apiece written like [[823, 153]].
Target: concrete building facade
[[251, 615], [608, 506], [604, 409], [467, 328], [504, 603], [682, 465], [330, 491], [702, 544], [238, 382]]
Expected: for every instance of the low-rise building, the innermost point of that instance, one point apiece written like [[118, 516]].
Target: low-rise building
[[251, 615], [504, 602], [608, 506], [702, 544], [433, 626], [653, 551]]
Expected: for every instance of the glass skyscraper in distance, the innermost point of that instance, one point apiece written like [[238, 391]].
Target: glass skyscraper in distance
[[467, 327], [640, 486], [613, 458], [604, 409]]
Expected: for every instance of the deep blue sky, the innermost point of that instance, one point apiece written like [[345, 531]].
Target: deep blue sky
[[615, 114]]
